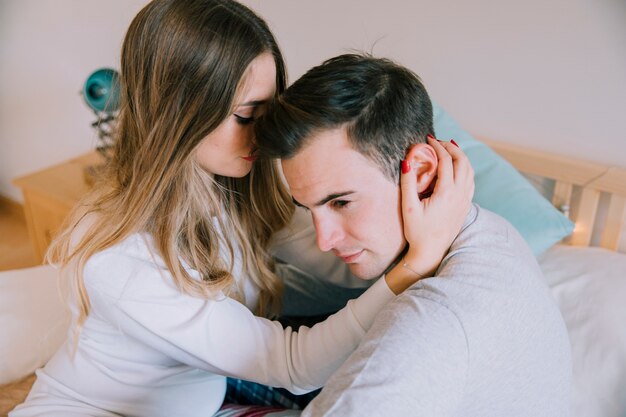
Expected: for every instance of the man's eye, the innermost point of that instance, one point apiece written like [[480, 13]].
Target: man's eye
[[243, 120], [340, 203]]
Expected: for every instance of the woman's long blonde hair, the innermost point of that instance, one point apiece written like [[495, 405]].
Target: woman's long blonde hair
[[182, 65]]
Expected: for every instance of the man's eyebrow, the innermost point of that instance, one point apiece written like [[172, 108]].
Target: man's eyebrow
[[324, 200]]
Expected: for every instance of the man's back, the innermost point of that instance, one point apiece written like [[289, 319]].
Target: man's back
[[482, 338]]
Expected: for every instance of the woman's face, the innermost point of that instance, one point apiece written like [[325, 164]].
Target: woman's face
[[228, 150]]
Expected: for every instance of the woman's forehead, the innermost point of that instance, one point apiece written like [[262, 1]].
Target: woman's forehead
[[258, 84]]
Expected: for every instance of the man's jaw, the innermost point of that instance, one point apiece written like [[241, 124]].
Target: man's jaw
[[361, 263], [358, 261]]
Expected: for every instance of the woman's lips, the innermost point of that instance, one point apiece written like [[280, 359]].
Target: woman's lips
[[253, 155]]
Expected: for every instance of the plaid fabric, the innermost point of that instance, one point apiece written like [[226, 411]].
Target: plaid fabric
[[233, 410], [250, 393]]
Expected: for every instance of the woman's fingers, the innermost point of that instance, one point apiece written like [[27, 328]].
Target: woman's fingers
[[462, 181], [445, 168], [408, 186], [463, 171], [459, 159]]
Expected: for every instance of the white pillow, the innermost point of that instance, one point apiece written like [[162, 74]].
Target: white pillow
[[33, 320], [589, 285]]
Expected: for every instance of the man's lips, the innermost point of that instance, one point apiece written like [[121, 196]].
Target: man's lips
[[350, 258]]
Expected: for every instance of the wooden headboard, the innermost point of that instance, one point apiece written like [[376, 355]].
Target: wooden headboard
[[591, 194]]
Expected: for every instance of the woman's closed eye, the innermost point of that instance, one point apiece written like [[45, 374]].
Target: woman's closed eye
[[242, 120]]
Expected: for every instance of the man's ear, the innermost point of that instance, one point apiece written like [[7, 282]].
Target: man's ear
[[423, 160]]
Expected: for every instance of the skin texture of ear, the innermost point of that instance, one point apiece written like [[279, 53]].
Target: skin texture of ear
[[423, 160]]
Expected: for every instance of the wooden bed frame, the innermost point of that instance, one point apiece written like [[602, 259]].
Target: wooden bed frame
[[592, 195]]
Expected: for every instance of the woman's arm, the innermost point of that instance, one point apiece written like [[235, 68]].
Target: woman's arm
[[134, 296]]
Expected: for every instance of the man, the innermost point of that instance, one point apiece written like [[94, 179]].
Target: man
[[483, 336]]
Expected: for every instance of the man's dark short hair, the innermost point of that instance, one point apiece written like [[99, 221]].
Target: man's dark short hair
[[383, 106]]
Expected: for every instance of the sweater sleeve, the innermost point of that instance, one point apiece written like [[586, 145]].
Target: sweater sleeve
[[138, 297]]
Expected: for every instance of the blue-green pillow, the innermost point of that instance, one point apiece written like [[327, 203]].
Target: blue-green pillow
[[503, 190]]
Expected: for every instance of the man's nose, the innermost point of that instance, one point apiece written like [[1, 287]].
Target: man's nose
[[328, 233]]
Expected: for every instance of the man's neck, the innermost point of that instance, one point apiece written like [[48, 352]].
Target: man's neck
[[398, 259]]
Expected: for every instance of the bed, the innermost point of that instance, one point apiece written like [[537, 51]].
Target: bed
[[571, 212], [586, 272]]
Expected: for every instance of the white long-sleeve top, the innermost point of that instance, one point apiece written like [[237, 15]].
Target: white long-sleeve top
[[147, 349]]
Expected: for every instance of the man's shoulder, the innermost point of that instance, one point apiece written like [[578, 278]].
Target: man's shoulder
[[487, 230], [490, 252]]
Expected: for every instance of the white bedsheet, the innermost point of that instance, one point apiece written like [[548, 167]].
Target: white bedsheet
[[33, 320], [590, 286]]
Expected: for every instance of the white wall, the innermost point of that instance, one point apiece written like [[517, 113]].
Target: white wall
[[546, 74], [47, 50], [550, 74]]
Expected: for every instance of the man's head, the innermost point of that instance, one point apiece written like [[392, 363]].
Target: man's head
[[342, 131]]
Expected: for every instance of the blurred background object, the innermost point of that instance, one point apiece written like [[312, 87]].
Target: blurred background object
[[101, 93]]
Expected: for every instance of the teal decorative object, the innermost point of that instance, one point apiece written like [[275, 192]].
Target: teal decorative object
[[101, 92]]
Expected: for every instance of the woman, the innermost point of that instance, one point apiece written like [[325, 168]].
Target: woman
[[168, 260]]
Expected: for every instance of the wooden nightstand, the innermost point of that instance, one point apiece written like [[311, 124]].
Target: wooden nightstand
[[50, 194]]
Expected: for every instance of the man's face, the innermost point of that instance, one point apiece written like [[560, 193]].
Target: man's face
[[355, 207]]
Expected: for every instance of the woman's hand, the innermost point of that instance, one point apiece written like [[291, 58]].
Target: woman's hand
[[432, 224]]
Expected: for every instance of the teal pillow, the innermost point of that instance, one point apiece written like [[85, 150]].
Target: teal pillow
[[503, 190]]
